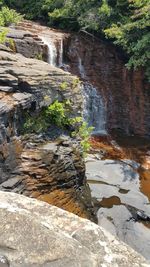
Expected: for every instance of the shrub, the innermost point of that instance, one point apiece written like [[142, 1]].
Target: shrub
[[9, 16], [59, 113], [35, 124], [12, 44], [63, 86], [56, 113], [3, 33], [84, 132], [39, 56]]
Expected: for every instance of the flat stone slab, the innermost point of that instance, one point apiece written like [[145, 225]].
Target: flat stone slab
[[113, 172], [119, 221], [10, 183], [8, 89]]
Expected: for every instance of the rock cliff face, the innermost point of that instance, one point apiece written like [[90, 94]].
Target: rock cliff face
[[35, 234], [125, 93], [37, 166]]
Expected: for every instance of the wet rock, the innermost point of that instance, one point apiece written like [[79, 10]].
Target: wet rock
[[34, 80], [122, 207], [11, 183], [109, 178], [113, 172], [31, 40], [38, 234], [119, 221]]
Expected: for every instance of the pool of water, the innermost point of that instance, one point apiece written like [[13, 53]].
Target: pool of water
[[118, 173]]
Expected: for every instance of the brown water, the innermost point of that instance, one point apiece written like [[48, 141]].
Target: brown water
[[132, 148], [118, 172]]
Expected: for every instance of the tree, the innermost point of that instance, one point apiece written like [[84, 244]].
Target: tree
[[133, 34]]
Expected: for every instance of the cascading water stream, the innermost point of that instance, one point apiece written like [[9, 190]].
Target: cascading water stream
[[81, 68], [52, 51], [94, 110], [60, 63]]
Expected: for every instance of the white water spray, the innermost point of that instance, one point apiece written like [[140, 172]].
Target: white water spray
[[52, 51], [81, 68], [94, 110], [60, 63]]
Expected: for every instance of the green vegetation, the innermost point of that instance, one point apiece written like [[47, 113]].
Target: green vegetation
[[12, 44], [7, 17], [125, 22], [58, 113], [39, 56], [133, 35], [3, 33], [83, 131], [36, 124], [63, 85], [76, 82]]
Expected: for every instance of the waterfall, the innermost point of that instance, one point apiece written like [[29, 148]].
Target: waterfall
[[81, 68], [60, 63], [94, 110], [52, 51]]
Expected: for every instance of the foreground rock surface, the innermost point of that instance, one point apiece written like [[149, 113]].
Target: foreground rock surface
[[33, 233]]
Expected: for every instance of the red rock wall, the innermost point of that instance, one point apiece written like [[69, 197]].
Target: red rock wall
[[126, 94]]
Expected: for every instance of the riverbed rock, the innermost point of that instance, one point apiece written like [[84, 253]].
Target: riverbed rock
[[33, 233], [120, 221], [123, 209]]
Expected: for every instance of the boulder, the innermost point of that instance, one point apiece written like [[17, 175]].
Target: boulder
[[33, 233]]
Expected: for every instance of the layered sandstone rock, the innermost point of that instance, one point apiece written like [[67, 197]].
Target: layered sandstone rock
[[52, 171], [33, 233], [39, 166]]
